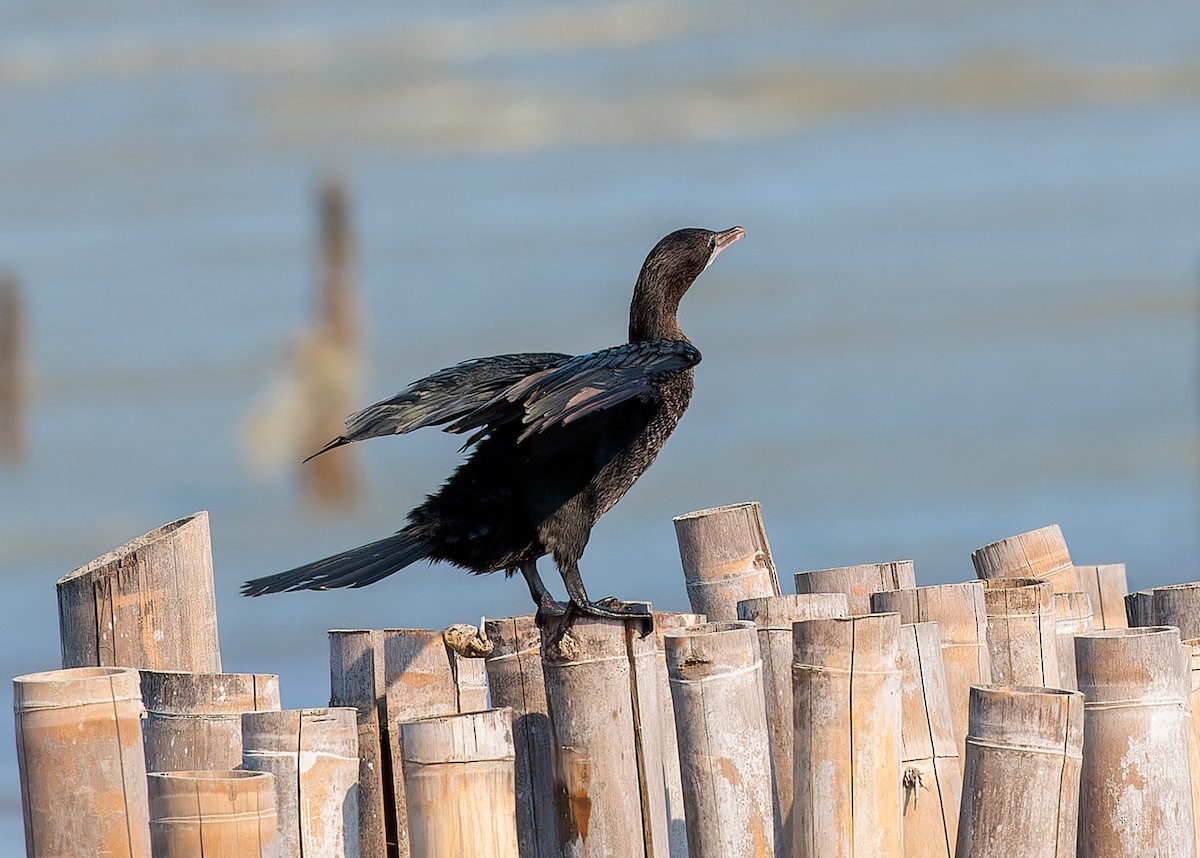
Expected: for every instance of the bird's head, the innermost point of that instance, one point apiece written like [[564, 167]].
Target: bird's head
[[670, 268]]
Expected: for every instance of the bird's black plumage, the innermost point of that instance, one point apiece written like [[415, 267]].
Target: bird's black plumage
[[557, 441]]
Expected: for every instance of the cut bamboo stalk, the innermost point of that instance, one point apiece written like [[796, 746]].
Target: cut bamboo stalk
[[459, 785], [1136, 791], [1021, 775], [1178, 605], [665, 622], [149, 604], [1139, 608], [1191, 653], [1107, 587], [515, 676], [313, 756], [724, 755], [774, 616], [959, 611], [79, 752], [726, 558], [194, 720], [1072, 616], [847, 776], [1020, 631], [602, 693], [859, 582], [1040, 553], [213, 814], [932, 777]]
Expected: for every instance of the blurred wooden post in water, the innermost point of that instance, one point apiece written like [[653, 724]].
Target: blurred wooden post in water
[[1021, 775], [1136, 790], [79, 752], [665, 622], [724, 754], [959, 611], [1072, 616], [13, 371], [459, 787], [932, 776], [1040, 553], [726, 558], [774, 617], [1107, 587], [515, 677], [847, 780], [859, 582], [313, 756], [194, 720], [1020, 631], [331, 358], [213, 814], [148, 604], [602, 692]]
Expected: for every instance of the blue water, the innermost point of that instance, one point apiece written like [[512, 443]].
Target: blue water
[[966, 305]]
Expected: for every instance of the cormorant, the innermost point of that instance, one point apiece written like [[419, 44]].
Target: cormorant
[[558, 441]]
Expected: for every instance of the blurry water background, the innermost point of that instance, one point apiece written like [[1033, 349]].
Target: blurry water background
[[965, 307]]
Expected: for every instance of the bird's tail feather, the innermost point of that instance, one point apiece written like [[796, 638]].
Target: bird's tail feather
[[357, 567]]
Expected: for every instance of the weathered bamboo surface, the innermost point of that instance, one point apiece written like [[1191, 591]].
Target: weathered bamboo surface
[[608, 743], [1072, 616], [515, 674], [724, 757], [932, 776], [213, 814], [148, 604], [1021, 773], [1107, 587], [1136, 792], [79, 752], [1191, 654], [459, 785], [1178, 605], [665, 622], [774, 616], [313, 756], [859, 582], [847, 777], [1139, 608], [726, 558], [961, 615], [1040, 553], [1021, 631]]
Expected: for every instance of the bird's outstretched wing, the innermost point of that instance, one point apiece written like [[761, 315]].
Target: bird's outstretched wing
[[446, 395], [583, 385]]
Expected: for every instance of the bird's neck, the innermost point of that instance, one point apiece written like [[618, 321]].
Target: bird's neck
[[653, 314]]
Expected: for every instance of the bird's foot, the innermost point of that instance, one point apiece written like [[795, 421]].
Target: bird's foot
[[613, 608], [548, 609]]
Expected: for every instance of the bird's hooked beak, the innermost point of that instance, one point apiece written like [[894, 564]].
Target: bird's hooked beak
[[722, 240]]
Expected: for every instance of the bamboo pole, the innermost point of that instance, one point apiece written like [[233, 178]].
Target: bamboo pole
[[859, 582], [79, 752], [1191, 654], [847, 777], [1040, 553], [602, 693], [1178, 605], [1107, 587], [515, 676], [1072, 616], [665, 622], [213, 814], [13, 371], [459, 786], [774, 617], [1021, 775], [1136, 791], [1139, 608], [724, 756], [1020, 631], [726, 558], [194, 720], [959, 611], [932, 777], [149, 604], [313, 756]]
